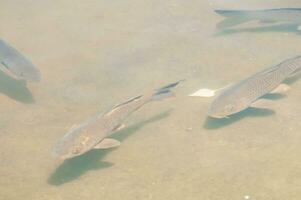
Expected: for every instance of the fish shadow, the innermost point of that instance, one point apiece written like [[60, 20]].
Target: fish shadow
[[72, 169], [15, 89], [288, 28], [212, 123], [274, 96]]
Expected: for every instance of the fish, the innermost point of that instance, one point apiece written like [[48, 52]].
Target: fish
[[17, 66], [248, 92], [94, 133], [236, 17]]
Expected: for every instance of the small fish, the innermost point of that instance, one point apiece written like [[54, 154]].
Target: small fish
[[248, 92], [236, 17], [94, 132], [16, 65]]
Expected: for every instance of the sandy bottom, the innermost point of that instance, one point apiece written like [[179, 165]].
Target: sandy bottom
[[93, 54]]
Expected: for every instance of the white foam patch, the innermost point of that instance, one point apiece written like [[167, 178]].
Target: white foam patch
[[205, 92]]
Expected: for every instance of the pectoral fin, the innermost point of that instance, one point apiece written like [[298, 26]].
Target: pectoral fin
[[107, 143], [263, 104], [282, 88]]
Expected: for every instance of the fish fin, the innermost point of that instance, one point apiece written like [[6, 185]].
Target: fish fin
[[128, 101], [299, 28], [280, 89], [107, 143], [169, 86], [262, 103], [162, 95], [165, 92], [231, 13], [119, 127], [122, 104], [234, 17]]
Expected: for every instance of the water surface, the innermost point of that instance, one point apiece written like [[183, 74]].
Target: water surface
[[94, 54]]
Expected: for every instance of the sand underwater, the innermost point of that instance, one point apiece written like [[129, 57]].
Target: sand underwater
[[93, 54]]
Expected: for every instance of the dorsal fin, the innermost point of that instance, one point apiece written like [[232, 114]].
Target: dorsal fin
[[124, 103], [128, 101]]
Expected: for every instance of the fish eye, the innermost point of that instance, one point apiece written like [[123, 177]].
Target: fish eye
[[76, 150]]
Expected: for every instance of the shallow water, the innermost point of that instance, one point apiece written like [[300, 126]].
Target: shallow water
[[94, 54]]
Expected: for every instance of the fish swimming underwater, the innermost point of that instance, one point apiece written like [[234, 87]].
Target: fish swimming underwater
[[94, 132], [236, 17], [16, 65], [248, 92]]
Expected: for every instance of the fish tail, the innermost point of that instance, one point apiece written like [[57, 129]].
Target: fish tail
[[233, 17], [231, 13], [165, 92]]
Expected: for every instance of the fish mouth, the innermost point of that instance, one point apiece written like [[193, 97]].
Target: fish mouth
[[215, 116], [59, 155]]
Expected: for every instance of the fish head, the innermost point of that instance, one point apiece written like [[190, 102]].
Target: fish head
[[28, 73], [21, 69], [73, 144], [33, 76], [222, 109]]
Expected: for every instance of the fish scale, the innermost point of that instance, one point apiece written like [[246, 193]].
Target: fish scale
[[94, 132], [243, 94]]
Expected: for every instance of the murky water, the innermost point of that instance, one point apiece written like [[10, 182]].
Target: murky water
[[94, 54]]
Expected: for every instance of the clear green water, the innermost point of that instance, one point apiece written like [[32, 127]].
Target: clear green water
[[94, 54]]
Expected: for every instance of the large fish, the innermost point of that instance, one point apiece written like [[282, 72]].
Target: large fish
[[16, 65], [94, 132], [236, 17], [248, 92]]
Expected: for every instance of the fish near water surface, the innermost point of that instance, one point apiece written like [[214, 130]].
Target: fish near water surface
[[236, 17], [93, 134], [14, 64], [248, 92]]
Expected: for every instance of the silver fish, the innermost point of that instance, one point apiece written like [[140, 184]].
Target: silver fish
[[94, 132], [16, 65], [236, 17], [247, 93]]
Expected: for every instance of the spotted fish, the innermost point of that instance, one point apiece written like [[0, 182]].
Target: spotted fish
[[248, 92], [94, 133]]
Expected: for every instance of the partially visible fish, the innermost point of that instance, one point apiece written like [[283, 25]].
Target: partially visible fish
[[16, 65], [236, 17], [248, 92], [94, 132]]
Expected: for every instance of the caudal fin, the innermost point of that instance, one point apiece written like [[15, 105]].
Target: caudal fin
[[233, 18], [165, 92]]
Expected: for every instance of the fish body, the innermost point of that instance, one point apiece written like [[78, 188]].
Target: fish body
[[94, 132], [236, 17], [243, 94], [14, 64]]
